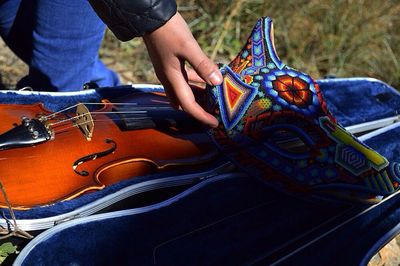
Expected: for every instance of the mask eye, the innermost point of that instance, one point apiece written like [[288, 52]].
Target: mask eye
[[289, 141]]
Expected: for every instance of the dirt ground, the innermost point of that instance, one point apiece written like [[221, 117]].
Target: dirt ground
[[389, 255], [11, 67]]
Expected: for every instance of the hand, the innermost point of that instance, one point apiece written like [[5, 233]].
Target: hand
[[169, 47]]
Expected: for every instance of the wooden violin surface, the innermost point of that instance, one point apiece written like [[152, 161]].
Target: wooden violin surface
[[57, 170]]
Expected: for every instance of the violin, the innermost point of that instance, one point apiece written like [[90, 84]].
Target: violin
[[47, 157]]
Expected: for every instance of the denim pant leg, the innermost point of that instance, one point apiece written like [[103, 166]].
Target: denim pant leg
[[59, 40]]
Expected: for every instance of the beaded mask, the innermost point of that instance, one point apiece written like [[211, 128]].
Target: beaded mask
[[275, 125]]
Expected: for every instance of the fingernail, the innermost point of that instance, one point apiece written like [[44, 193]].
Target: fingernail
[[214, 123], [215, 78]]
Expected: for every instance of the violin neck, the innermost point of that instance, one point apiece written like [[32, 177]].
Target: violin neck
[[153, 116]]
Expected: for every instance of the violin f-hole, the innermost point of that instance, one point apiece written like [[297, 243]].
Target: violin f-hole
[[93, 156]]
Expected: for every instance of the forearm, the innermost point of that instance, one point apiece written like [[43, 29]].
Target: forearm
[[133, 18]]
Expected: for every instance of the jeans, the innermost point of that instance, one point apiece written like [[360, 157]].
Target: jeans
[[59, 40]]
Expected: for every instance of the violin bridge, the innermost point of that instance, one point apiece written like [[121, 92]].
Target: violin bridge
[[84, 121]]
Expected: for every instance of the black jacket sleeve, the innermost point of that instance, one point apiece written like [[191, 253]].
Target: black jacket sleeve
[[132, 18]]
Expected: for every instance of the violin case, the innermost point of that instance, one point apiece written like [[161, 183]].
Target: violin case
[[219, 215]]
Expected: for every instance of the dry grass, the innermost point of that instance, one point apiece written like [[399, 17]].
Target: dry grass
[[343, 38]]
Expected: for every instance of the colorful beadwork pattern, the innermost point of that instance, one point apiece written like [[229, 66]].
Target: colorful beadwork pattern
[[234, 99], [275, 125]]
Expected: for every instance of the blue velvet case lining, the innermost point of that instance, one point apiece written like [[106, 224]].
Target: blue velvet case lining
[[358, 100]]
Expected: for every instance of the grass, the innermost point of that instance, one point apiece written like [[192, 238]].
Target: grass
[[343, 38]]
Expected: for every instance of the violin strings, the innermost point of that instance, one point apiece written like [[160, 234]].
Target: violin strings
[[66, 120], [112, 112], [57, 130], [82, 115], [61, 120], [61, 111], [100, 121], [60, 115], [86, 103], [61, 123]]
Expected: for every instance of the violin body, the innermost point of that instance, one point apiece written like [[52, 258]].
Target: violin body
[[70, 165]]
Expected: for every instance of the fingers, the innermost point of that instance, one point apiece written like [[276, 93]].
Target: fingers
[[204, 67], [193, 76], [173, 101], [209, 71], [169, 47], [191, 51], [186, 99]]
